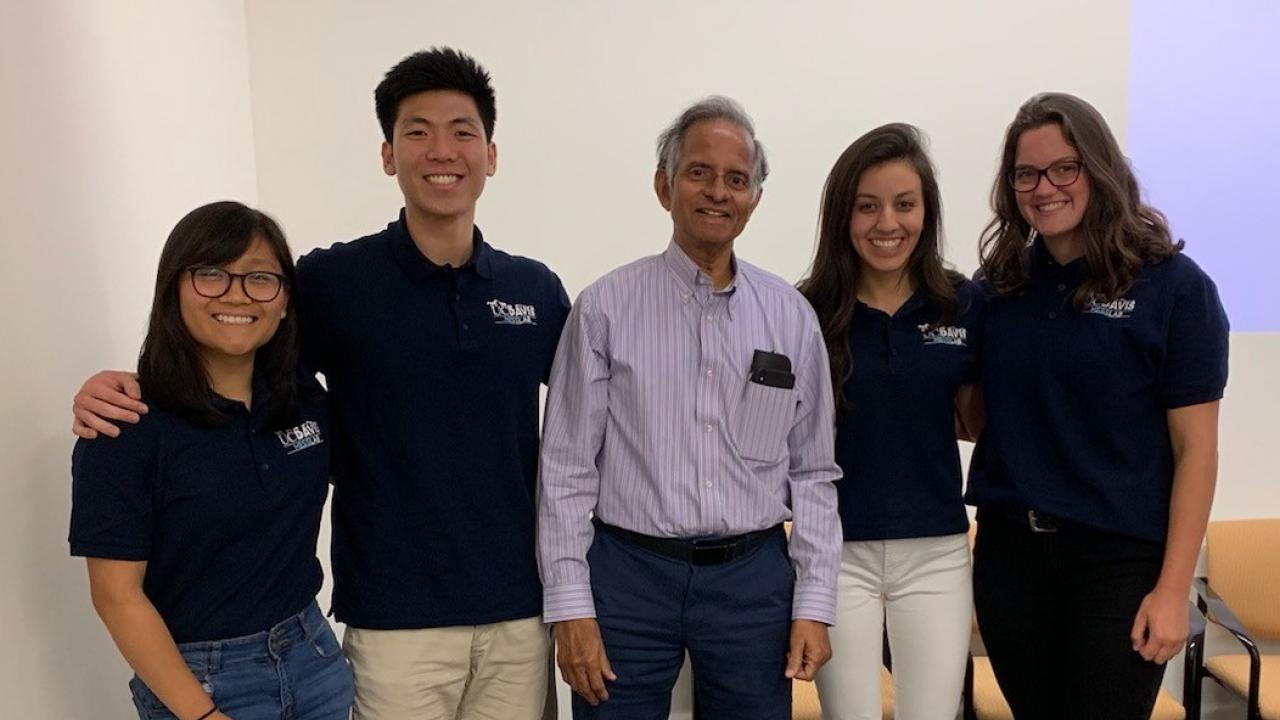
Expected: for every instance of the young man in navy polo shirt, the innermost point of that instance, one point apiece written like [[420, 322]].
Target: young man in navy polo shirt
[[433, 345]]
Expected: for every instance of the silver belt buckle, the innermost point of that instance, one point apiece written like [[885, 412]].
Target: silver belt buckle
[[1041, 524]]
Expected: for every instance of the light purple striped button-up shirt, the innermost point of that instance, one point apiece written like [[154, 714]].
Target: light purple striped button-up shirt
[[653, 425]]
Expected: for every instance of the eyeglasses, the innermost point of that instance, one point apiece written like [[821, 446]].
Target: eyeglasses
[[1025, 178], [214, 282]]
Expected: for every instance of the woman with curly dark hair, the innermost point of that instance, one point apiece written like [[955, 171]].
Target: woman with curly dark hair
[[1104, 358]]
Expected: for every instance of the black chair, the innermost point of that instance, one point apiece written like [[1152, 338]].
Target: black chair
[[1242, 566]]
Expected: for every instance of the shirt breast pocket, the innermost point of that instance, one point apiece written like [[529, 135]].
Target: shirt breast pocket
[[763, 421]]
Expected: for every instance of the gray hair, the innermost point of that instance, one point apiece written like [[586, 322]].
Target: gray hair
[[715, 107]]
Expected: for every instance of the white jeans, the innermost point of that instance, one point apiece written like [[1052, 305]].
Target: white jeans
[[922, 588]]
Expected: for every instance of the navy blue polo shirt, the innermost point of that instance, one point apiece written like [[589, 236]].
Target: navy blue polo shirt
[[434, 375], [896, 441], [1077, 399], [225, 517]]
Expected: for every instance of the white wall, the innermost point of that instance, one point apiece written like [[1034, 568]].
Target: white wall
[[584, 88], [119, 117]]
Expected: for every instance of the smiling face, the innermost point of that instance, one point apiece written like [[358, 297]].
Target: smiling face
[[888, 215], [712, 195], [439, 154], [1054, 212], [233, 325]]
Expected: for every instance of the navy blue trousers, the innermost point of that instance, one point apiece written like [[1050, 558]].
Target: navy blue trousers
[[733, 619]]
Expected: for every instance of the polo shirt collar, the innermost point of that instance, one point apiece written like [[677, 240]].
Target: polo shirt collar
[[261, 400], [1042, 263], [917, 301], [416, 265], [692, 280]]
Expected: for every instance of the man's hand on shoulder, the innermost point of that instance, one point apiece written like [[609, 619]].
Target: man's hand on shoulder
[[106, 396]]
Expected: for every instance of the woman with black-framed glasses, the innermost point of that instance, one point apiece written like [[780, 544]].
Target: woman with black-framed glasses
[[1104, 359], [199, 524]]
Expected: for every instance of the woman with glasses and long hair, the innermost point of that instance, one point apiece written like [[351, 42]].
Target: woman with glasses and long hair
[[1104, 358], [901, 331], [199, 524]]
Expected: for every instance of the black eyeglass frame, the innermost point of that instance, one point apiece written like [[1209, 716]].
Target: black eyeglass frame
[[281, 281], [1044, 173]]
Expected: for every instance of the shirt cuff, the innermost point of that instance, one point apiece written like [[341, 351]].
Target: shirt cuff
[[109, 552], [1186, 398], [814, 602], [567, 602]]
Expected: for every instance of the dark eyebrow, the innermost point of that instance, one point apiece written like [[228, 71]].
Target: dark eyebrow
[[1066, 158], [899, 196], [463, 120]]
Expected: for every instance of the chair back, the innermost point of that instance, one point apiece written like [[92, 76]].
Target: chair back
[[1244, 568]]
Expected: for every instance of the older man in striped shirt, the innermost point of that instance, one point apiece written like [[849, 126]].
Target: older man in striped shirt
[[689, 416]]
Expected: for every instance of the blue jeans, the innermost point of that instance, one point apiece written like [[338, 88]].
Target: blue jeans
[[295, 670]]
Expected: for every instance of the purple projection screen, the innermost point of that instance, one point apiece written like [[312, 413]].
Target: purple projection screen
[[1204, 123]]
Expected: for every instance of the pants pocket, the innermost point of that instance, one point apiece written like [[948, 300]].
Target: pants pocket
[[149, 706], [325, 642]]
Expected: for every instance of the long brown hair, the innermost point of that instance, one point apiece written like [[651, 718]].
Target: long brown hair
[[1120, 232], [832, 281]]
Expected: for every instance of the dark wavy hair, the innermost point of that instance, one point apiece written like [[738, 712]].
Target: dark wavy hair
[[832, 281], [430, 70], [169, 366], [1120, 232]]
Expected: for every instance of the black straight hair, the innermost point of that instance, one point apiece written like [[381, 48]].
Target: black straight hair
[[431, 70], [170, 369]]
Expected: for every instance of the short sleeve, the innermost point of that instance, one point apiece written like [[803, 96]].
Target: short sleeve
[[309, 299], [972, 300], [113, 491], [1195, 363]]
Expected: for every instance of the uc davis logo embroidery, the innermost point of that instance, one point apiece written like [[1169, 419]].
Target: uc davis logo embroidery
[[944, 335], [505, 313], [300, 438], [1116, 309]]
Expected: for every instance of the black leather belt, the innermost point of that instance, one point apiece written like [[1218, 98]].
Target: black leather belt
[[712, 551], [1033, 520]]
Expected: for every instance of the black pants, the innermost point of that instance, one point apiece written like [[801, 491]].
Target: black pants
[[1055, 611]]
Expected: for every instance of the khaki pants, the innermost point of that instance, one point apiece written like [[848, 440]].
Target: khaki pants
[[473, 672]]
